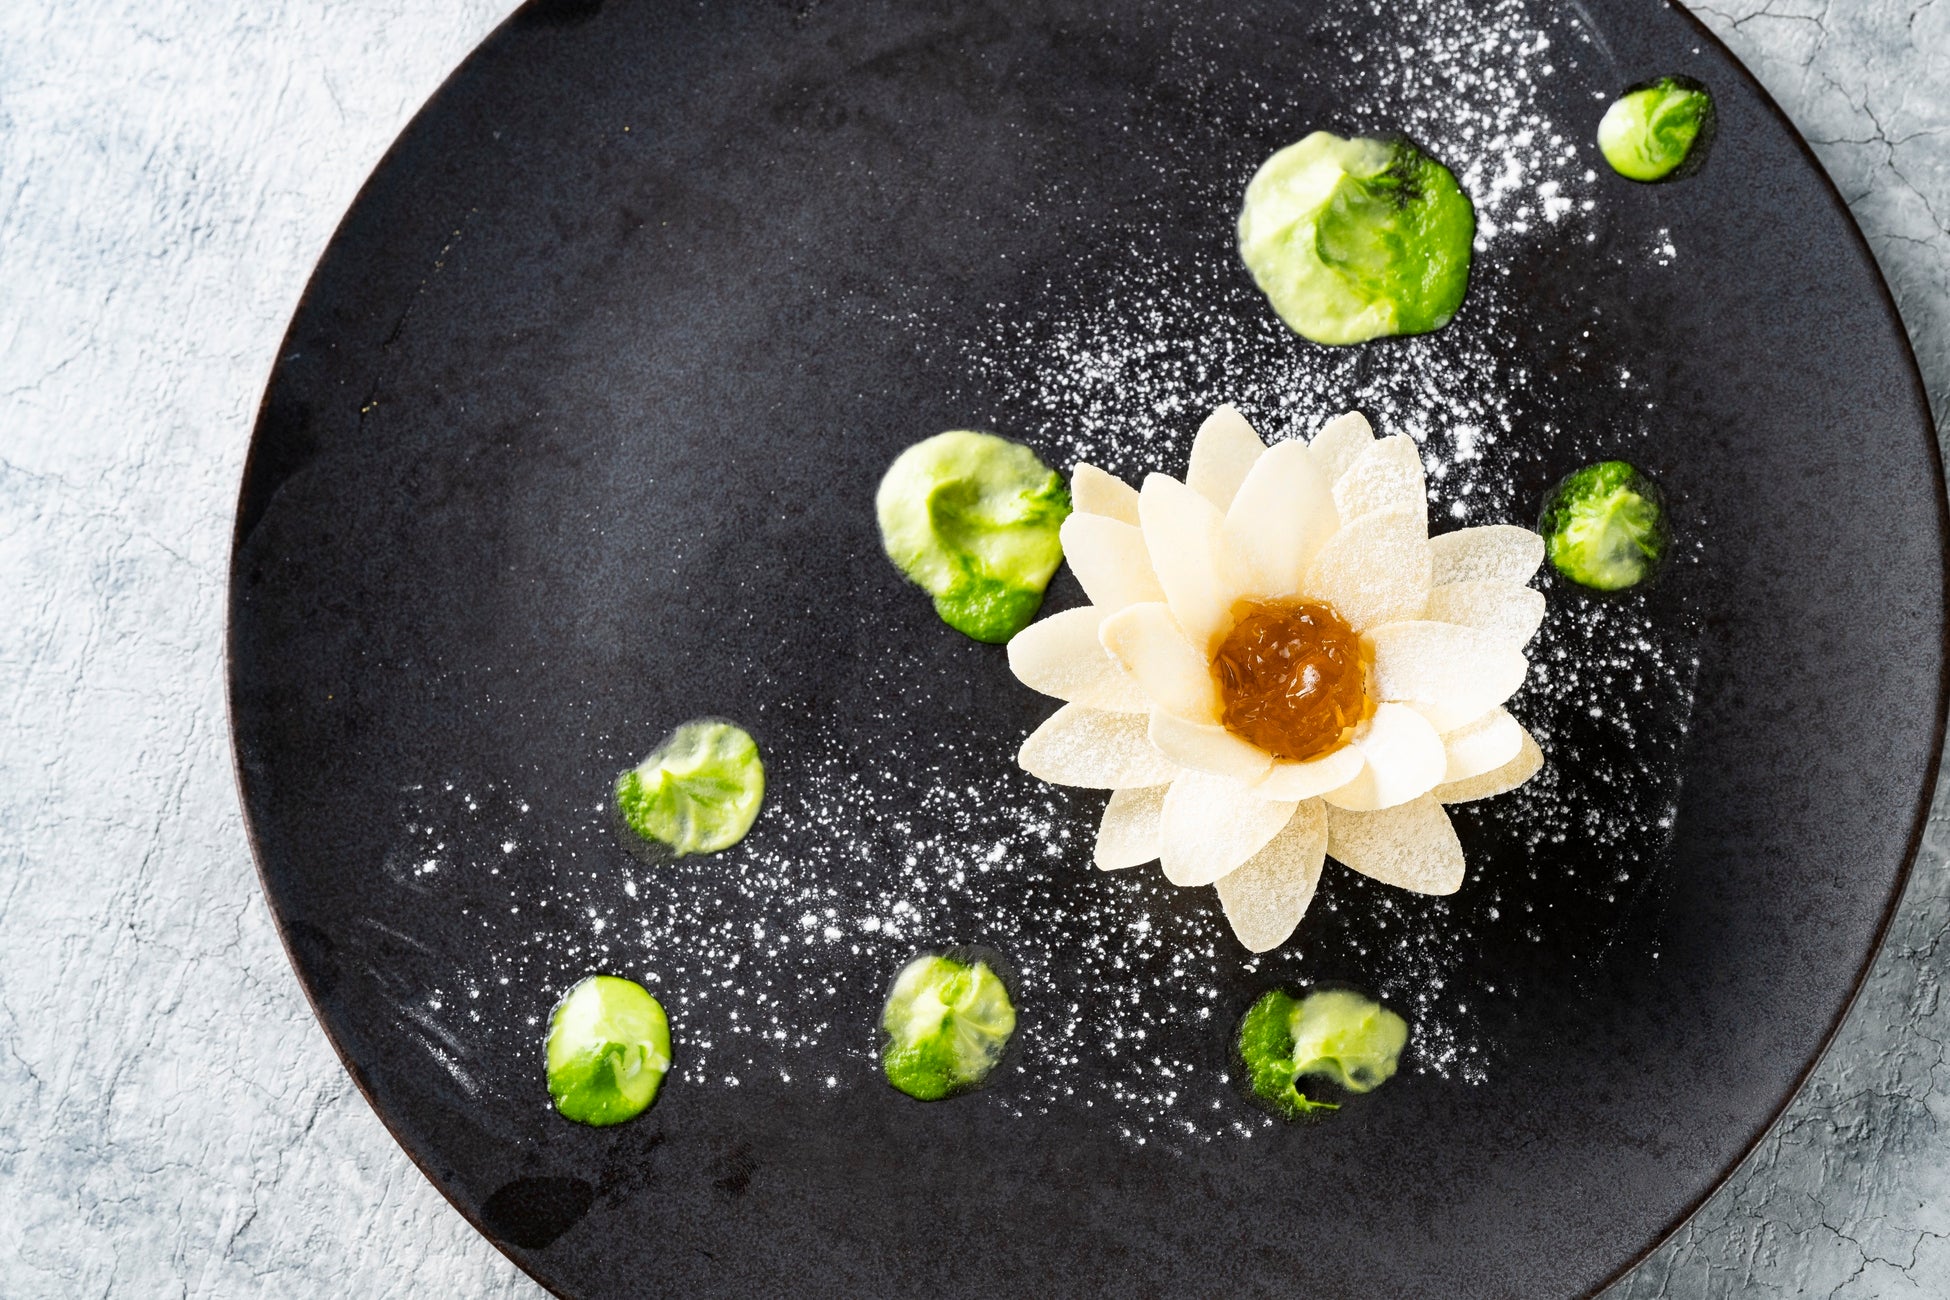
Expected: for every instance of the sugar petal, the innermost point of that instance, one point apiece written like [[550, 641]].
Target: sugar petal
[[1212, 824], [1146, 641], [1210, 749], [1316, 776], [1339, 441], [1094, 492], [1504, 608], [1374, 570], [1386, 476], [1132, 828], [1412, 846], [1095, 750], [1265, 897], [1453, 675], [1222, 453], [1185, 535], [1062, 656], [1403, 759], [1110, 560], [1481, 746], [1490, 553], [1281, 517], [1528, 762]]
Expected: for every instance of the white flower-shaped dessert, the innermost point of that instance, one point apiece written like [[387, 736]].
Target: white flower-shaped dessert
[[1278, 663]]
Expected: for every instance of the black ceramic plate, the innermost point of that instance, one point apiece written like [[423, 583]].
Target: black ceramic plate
[[575, 436]]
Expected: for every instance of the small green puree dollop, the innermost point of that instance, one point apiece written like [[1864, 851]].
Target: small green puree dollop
[[1650, 131], [608, 1051], [946, 1024], [972, 519], [698, 792], [1604, 527], [1333, 1034], [1357, 239]]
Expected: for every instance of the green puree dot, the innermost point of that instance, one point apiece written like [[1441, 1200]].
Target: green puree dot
[[973, 519], [947, 1023], [608, 1050], [1650, 131], [1334, 1034], [1604, 527], [1353, 240], [698, 792]]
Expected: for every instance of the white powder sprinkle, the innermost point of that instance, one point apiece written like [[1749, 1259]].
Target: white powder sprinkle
[[772, 958]]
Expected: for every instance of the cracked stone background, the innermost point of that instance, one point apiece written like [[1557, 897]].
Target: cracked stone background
[[172, 1122]]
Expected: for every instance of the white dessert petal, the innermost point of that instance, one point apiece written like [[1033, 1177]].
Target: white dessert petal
[[1403, 759], [1491, 553], [1146, 641], [1528, 762], [1500, 607], [1095, 750], [1374, 570], [1411, 846], [1339, 441], [1265, 897], [1129, 834], [1316, 776], [1185, 535], [1062, 656], [1206, 748], [1110, 560], [1222, 453], [1213, 824], [1280, 518], [1387, 476], [1094, 492], [1481, 746], [1452, 674]]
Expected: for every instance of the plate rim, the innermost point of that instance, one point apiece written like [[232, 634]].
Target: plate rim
[[1919, 820]]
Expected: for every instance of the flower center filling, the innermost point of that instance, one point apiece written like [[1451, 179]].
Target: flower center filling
[[1293, 678]]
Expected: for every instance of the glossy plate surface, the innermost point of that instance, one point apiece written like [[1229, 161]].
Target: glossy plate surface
[[575, 436]]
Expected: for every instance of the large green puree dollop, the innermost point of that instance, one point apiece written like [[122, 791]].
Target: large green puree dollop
[[1356, 239], [973, 519]]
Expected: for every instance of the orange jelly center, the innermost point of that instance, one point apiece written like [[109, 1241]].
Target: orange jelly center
[[1294, 678]]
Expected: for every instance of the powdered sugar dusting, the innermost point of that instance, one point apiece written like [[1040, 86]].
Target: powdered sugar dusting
[[772, 958]]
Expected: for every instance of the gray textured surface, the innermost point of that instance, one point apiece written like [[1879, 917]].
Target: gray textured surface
[[171, 1120]]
